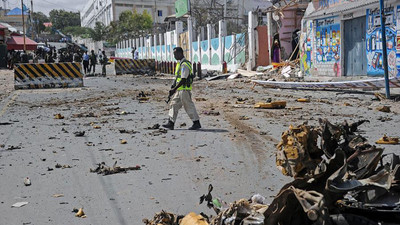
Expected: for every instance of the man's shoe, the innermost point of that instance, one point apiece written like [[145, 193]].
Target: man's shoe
[[169, 125], [196, 125]]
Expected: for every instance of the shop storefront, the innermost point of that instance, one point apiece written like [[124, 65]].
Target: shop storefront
[[342, 38]]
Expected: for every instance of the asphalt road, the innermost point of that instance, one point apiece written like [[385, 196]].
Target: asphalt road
[[236, 156]]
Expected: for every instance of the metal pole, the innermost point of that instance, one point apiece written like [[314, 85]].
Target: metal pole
[[32, 21], [385, 63], [225, 8], [23, 22]]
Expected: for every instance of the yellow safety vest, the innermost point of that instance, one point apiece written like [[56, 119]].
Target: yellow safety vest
[[188, 85]]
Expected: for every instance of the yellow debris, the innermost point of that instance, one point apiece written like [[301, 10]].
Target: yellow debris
[[385, 140], [271, 105], [59, 116], [303, 100], [193, 219], [80, 213]]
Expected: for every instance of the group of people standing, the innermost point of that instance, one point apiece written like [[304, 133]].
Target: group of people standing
[[90, 60]]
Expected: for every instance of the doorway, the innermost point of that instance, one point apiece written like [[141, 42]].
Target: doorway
[[355, 56]]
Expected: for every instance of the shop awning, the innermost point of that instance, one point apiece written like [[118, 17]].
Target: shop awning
[[17, 43], [341, 8]]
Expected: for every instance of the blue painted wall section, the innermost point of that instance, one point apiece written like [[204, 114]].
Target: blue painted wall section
[[374, 42]]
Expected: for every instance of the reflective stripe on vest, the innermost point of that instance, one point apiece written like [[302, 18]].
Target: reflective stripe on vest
[[178, 72]]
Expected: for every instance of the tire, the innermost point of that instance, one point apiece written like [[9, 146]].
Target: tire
[[351, 219]]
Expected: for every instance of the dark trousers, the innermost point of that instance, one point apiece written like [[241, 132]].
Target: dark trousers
[[86, 66], [103, 72], [92, 66]]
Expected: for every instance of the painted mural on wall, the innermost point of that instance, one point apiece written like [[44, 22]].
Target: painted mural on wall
[[374, 42], [327, 41], [306, 47]]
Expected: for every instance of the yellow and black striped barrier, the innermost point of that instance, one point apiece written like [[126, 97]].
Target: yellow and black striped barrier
[[134, 66], [48, 75]]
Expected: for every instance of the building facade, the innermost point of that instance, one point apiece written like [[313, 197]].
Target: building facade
[[344, 38], [106, 11]]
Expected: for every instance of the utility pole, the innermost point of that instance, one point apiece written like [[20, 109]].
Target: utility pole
[[23, 22], [32, 21], [225, 8], [385, 63]]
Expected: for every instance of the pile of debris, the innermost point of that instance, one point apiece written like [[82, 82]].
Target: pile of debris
[[339, 179], [285, 71]]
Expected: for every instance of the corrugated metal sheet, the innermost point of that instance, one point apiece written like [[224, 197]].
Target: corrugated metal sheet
[[16, 12], [348, 6]]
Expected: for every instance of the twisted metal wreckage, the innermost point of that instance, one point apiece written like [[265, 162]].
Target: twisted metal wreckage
[[341, 180]]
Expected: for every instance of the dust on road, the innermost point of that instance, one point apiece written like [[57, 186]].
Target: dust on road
[[235, 151]]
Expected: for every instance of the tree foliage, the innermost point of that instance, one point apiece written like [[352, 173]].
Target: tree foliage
[[39, 18], [78, 31], [62, 19], [131, 24], [99, 32]]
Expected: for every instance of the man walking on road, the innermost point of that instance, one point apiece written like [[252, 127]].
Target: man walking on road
[[181, 92]]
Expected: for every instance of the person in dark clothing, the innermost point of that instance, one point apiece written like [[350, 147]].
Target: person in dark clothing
[[93, 61], [24, 57], [10, 57], [295, 43], [276, 49], [104, 62], [49, 57]]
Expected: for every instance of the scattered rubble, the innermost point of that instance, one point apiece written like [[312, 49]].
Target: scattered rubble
[[142, 97], [159, 132], [271, 105], [102, 168], [154, 127], [79, 133], [211, 113], [79, 213], [83, 115], [27, 181], [123, 131], [58, 116], [58, 195], [19, 204], [338, 176], [59, 166], [385, 109], [303, 100]]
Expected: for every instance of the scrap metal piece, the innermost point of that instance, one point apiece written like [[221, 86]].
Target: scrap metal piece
[[298, 153]]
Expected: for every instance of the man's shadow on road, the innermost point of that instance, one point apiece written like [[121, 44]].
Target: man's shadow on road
[[205, 130]]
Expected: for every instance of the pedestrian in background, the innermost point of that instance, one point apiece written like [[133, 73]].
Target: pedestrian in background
[[104, 62], [85, 62], [49, 57], [181, 92], [136, 54], [93, 62], [133, 52]]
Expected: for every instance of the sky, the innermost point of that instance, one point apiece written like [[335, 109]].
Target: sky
[[46, 6]]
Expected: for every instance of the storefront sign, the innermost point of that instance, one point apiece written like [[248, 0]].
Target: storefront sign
[[348, 16]]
